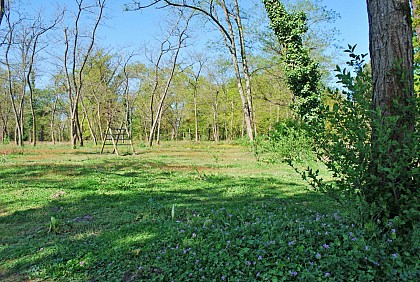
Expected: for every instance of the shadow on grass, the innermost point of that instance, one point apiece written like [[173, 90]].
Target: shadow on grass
[[108, 211]]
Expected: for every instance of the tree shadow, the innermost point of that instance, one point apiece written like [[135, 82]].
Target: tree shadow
[[108, 210]]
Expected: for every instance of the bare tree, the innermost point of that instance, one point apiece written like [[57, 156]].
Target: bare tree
[[17, 99], [38, 29], [74, 64], [178, 31], [193, 82], [231, 29]]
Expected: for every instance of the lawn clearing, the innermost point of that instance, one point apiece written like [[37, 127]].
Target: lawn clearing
[[181, 212]]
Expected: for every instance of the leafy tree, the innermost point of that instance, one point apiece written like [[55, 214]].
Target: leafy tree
[[301, 71]]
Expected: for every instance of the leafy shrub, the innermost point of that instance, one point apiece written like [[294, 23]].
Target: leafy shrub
[[383, 178], [289, 140]]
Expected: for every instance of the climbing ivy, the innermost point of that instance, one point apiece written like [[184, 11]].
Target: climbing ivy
[[301, 71]]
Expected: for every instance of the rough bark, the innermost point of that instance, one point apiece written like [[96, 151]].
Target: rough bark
[[391, 50]]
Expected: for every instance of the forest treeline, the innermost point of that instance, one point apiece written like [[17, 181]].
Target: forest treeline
[[59, 81]]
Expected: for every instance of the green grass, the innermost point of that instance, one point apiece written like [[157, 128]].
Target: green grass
[[181, 211]]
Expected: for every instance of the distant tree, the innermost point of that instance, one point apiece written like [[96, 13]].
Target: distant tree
[[75, 60], [171, 47], [227, 17]]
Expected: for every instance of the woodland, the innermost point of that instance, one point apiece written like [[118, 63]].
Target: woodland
[[262, 150], [61, 83]]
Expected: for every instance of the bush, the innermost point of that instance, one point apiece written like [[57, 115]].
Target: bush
[[381, 179], [288, 140]]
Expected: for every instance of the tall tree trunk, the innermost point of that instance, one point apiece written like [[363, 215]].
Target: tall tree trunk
[[231, 44], [181, 37], [391, 50]]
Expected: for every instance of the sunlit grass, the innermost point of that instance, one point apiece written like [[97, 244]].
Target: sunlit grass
[[132, 217]]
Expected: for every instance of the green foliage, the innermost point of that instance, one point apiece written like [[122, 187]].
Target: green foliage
[[382, 177], [53, 225], [243, 220], [289, 140], [302, 72]]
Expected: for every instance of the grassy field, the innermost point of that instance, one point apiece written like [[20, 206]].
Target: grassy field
[[178, 212]]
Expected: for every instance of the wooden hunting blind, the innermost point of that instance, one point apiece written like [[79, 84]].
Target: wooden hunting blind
[[117, 136]]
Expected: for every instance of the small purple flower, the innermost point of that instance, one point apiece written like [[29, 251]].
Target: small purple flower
[[327, 274], [259, 257], [223, 278], [194, 235], [140, 267], [389, 223], [326, 246], [318, 255], [354, 239], [258, 274], [367, 248], [394, 255], [228, 241], [291, 242], [294, 273], [248, 263], [393, 231]]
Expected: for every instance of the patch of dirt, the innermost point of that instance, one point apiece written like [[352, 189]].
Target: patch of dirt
[[87, 217], [58, 194]]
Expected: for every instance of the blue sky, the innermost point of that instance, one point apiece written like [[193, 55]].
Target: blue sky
[[353, 24], [126, 28], [123, 29]]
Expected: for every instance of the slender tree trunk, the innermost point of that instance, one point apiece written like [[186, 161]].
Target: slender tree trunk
[[52, 121], [233, 51], [216, 118], [181, 39], [195, 115], [92, 132]]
